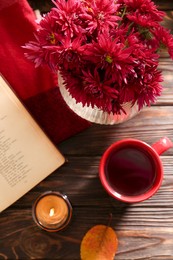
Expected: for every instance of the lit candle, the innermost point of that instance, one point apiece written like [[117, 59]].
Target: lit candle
[[52, 211]]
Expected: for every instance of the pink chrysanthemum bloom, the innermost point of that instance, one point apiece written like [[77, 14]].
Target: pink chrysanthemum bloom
[[68, 16], [142, 7], [111, 55], [164, 39], [100, 15], [106, 51]]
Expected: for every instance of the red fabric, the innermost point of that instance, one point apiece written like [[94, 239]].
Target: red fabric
[[35, 86]]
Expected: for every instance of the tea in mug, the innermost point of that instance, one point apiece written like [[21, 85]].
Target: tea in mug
[[130, 171]]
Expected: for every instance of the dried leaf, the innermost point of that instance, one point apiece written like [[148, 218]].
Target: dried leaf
[[99, 243]]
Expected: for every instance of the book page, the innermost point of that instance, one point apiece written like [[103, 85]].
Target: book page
[[27, 155]]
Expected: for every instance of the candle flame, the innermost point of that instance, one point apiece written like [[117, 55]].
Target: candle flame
[[51, 212]]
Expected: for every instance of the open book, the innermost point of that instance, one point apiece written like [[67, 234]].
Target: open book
[[27, 155]]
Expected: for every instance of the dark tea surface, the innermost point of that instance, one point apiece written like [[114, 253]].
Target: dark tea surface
[[130, 171]]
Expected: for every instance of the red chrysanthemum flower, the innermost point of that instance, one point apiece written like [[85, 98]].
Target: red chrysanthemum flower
[[68, 16], [164, 39], [112, 55], [106, 51], [143, 7], [143, 89], [101, 15], [144, 20]]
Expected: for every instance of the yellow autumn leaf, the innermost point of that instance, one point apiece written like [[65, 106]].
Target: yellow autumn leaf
[[99, 243]]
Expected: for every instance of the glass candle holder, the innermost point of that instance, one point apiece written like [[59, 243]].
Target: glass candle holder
[[52, 211]]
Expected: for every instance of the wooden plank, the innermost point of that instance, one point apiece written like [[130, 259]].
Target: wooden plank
[[149, 125], [164, 5], [83, 187], [166, 66], [45, 5], [141, 234]]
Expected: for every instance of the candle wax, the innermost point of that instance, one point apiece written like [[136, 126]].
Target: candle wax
[[51, 211]]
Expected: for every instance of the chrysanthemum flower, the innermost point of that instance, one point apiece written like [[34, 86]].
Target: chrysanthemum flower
[[106, 51], [164, 39], [101, 15], [112, 55], [68, 16], [143, 7]]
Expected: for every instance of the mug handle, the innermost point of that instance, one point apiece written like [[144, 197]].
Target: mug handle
[[162, 145]]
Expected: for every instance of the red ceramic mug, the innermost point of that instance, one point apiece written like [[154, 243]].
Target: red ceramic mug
[[131, 170]]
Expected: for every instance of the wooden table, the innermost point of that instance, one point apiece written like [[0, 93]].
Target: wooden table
[[144, 230]]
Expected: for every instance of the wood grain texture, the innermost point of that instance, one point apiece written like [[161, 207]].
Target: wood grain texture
[[45, 5], [145, 230], [164, 5]]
